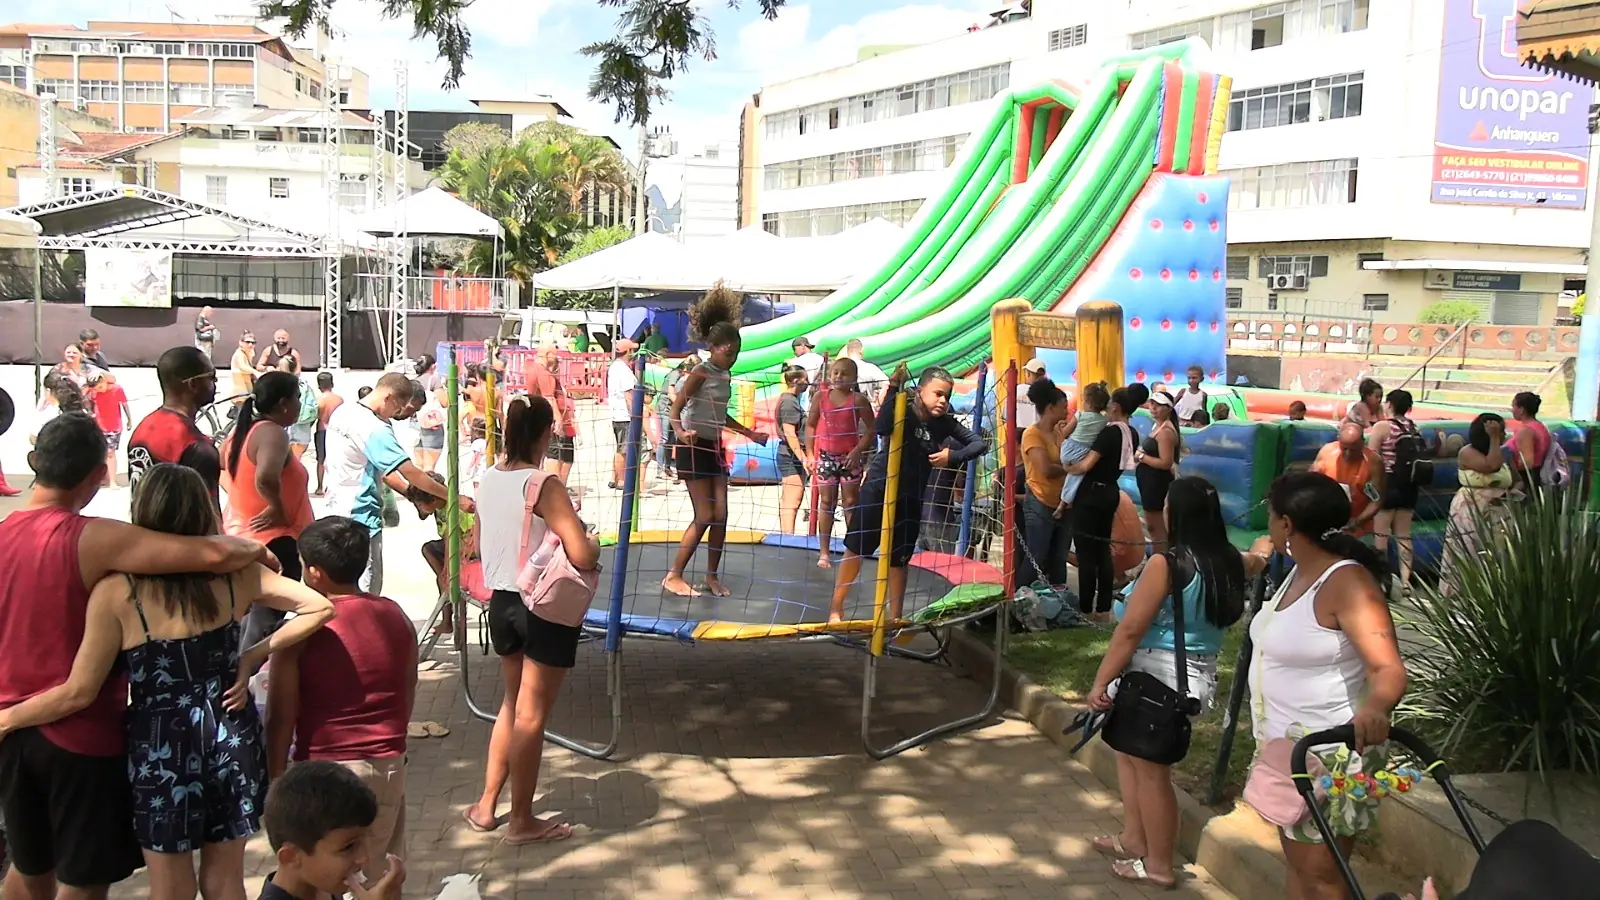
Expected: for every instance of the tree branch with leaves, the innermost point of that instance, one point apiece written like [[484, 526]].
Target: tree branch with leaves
[[655, 41]]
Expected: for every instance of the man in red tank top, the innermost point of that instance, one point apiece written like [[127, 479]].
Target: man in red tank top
[[359, 678], [169, 435], [64, 787]]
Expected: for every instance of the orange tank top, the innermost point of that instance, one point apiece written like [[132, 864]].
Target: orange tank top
[[838, 429], [245, 500]]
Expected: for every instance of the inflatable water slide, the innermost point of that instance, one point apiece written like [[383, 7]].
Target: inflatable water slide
[[1063, 196]]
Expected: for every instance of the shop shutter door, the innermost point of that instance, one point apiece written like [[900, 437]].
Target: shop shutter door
[[1516, 308], [1483, 300]]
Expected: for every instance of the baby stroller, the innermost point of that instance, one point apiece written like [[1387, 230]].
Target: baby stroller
[[1529, 859]]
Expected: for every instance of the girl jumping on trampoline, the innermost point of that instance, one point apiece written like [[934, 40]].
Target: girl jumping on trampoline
[[929, 426], [840, 434], [700, 416]]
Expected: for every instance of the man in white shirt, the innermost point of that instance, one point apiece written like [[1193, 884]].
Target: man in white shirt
[[620, 382], [806, 357], [1191, 399], [1032, 370], [869, 378], [363, 456]]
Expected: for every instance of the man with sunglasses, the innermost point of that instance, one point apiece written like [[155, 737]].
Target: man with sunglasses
[[169, 435]]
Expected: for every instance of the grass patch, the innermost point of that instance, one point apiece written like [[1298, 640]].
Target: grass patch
[[1065, 661]]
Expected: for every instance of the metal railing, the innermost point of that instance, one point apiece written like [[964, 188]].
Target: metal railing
[[1422, 370], [433, 292]]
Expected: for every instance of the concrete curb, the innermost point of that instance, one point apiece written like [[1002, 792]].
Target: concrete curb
[[1237, 848]]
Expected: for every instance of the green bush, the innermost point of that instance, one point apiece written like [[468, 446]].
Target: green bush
[[1505, 671], [1579, 304], [1451, 312]]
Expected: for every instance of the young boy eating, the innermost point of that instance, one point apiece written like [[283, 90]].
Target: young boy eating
[[346, 697], [318, 815]]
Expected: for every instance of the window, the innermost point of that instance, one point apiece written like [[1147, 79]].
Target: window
[[1062, 38], [1238, 267], [143, 91], [1170, 34], [310, 136], [70, 186], [98, 91], [1317, 100], [1272, 302], [353, 192], [1375, 302], [217, 190], [1328, 182], [278, 188], [1268, 24], [1234, 297], [191, 95], [1307, 265], [230, 133], [1340, 16], [834, 219], [344, 96], [226, 51], [16, 76], [904, 100], [928, 155], [65, 89], [148, 129], [1363, 258]]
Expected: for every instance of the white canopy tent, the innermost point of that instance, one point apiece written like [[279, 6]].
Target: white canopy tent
[[22, 233], [750, 260], [429, 213]]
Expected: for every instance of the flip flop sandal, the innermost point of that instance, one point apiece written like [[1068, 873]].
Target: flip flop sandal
[[466, 816], [416, 731], [558, 831], [434, 729], [1133, 870], [1111, 845]]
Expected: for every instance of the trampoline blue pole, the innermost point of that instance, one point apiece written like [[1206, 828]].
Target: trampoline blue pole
[[630, 496], [970, 494]]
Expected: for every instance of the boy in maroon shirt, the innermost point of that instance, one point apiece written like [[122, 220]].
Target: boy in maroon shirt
[[345, 695], [64, 787]]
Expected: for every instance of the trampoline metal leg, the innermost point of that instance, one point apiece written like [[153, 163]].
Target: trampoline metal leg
[[464, 654], [614, 691], [869, 689], [431, 639]]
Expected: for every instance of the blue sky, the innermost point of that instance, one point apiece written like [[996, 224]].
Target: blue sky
[[531, 46]]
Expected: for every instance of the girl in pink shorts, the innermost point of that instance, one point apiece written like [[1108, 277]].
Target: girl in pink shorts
[[839, 436]]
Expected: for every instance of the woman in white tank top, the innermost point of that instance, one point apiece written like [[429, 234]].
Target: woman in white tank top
[[535, 654], [1325, 650]]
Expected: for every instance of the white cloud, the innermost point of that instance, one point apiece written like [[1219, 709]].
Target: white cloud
[[785, 47]]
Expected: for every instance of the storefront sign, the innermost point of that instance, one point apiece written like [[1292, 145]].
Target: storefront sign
[[1446, 280], [1053, 330], [1505, 135]]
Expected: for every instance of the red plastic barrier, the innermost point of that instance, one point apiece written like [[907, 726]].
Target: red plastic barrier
[[583, 374]]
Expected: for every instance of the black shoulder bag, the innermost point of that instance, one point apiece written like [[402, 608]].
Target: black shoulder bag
[[1148, 719]]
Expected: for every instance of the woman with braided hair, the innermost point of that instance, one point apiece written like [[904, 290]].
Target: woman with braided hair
[[699, 418]]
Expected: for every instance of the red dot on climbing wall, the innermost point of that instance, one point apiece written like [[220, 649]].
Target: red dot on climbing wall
[[1213, 327], [1134, 322], [1135, 274], [1166, 274], [1166, 324], [1193, 325], [1201, 197], [1188, 224], [1215, 225], [1194, 274], [1166, 376], [1139, 375], [1215, 375], [1155, 224], [1216, 274]]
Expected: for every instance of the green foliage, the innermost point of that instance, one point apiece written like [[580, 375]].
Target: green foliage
[[1451, 312], [534, 185], [1505, 674], [1579, 304], [592, 241], [473, 138], [656, 39]]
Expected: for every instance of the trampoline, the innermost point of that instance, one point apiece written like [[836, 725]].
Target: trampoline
[[777, 592]]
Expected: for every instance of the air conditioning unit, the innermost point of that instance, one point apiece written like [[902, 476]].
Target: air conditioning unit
[[1287, 282]]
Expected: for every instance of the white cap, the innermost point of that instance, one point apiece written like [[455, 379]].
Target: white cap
[[1033, 365]]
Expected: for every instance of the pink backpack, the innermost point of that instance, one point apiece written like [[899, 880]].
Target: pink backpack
[[551, 586]]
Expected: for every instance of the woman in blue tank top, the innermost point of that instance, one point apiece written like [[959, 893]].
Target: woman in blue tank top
[[1210, 575]]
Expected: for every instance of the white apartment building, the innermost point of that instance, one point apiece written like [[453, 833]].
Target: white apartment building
[[695, 196], [1384, 154]]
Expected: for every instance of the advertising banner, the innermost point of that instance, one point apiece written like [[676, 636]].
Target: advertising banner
[[1505, 135], [130, 278]]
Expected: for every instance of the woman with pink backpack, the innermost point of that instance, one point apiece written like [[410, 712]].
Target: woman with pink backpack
[[527, 526]]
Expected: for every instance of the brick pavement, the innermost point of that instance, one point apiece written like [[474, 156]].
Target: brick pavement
[[741, 775]]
